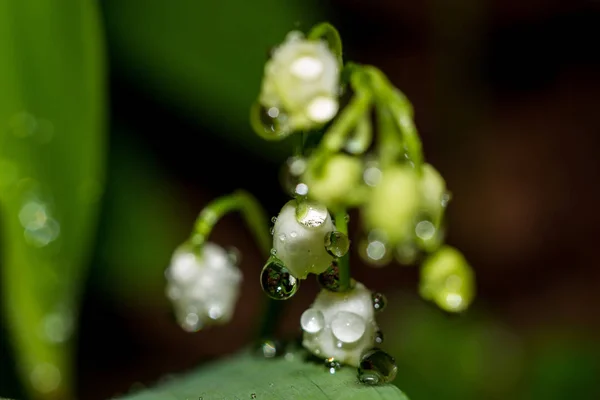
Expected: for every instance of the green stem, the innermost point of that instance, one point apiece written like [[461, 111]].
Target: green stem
[[331, 35], [341, 225], [242, 201]]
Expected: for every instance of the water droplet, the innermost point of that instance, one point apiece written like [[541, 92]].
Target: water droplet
[[45, 377], [378, 337], [282, 237], [273, 219], [301, 189], [276, 280], [272, 230], [291, 173], [425, 230], [273, 252], [191, 322], [321, 109], [337, 243], [379, 301], [272, 120], [253, 395], [348, 327], [293, 234], [375, 249], [372, 174], [330, 279], [57, 327], [312, 321], [377, 367], [446, 197], [269, 348], [347, 217], [234, 255], [311, 214], [332, 365]]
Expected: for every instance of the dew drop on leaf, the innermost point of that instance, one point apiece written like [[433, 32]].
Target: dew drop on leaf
[[276, 280], [378, 337], [377, 367], [332, 365]]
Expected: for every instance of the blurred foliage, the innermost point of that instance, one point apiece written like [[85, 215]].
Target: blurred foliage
[[51, 177], [205, 59], [475, 356], [250, 377]]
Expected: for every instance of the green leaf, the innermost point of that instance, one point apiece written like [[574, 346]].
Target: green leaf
[[245, 376], [51, 163]]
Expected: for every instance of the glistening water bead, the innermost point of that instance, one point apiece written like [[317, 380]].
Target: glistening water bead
[[337, 243], [332, 365], [310, 214], [330, 279], [312, 321], [377, 367], [379, 301], [276, 280]]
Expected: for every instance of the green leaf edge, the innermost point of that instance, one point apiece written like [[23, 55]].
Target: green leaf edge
[[247, 376]]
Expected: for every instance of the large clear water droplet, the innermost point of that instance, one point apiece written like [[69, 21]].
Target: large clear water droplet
[[348, 327], [276, 280], [337, 243], [377, 367], [312, 321], [379, 301], [330, 279], [270, 122], [311, 214]]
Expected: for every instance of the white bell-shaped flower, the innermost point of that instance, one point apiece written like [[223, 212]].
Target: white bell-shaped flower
[[340, 325], [301, 83], [299, 237], [204, 289]]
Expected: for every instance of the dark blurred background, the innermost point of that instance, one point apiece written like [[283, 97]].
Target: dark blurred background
[[505, 95]]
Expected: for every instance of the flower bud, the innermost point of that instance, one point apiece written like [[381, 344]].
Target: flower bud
[[393, 203], [340, 325], [433, 190], [301, 81], [339, 179], [299, 237], [448, 280], [203, 288]]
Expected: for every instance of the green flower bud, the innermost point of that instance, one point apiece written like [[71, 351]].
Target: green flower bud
[[448, 280], [393, 203], [338, 182], [301, 83]]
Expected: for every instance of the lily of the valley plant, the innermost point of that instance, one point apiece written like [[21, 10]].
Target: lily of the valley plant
[[344, 159]]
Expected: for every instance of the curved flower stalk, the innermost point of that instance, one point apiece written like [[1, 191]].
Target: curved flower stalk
[[203, 280]]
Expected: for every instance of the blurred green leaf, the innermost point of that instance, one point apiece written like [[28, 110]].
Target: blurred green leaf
[[245, 376], [51, 162], [205, 58]]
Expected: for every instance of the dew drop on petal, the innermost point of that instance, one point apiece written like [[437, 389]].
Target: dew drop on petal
[[276, 281], [377, 367], [348, 327], [312, 321], [311, 214], [379, 301], [301, 189], [337, 243], [269, 348]]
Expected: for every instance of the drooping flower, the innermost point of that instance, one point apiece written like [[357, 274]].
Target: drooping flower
[[301, 83], [203, 288], [340, 325], [299, 237]]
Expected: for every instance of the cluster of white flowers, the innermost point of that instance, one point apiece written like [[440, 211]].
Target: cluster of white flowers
[[341, 326], [203, 288], [301, 83]]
